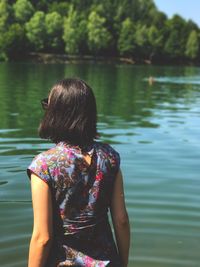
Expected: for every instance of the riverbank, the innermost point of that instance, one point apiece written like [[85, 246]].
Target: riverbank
[[64, 58]]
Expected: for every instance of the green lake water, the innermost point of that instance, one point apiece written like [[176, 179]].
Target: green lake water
[[156, 130]]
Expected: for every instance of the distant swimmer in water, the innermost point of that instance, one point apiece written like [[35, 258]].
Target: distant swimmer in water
[[151, 80]]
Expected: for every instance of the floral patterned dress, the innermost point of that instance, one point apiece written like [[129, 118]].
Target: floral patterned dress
[[81, 197]]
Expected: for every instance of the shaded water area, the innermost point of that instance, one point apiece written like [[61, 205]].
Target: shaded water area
[[156, 131]]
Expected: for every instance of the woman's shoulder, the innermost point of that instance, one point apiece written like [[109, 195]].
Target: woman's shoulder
[[108, 151], [109, 154], [52, 153], [106, 147], [62, 151], [43, 163]]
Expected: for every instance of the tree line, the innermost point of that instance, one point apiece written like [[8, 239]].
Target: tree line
[[128, 28]]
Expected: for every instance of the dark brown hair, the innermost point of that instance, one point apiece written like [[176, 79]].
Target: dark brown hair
[[71, 115]]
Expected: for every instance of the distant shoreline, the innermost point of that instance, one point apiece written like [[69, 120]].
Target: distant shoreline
[[64, 58]]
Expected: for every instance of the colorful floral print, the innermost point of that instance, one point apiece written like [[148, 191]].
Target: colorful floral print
[[82, 193], [77, 258]]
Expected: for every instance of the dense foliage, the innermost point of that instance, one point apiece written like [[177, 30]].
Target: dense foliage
[[127, 28]]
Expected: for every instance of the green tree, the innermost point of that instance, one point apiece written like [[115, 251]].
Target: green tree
[[41, 5], [155, 40], [192, 46], [172, 46], [126, 27], [106, 9], [126, 45], [54, 25], [176, 37], [36, 30], [74, 32], [141, 40], [4, 13], [136, 10], [23, 10], [14, 41], [85, 5], [99, 37], [190, 26], [62, 8], [4, 24], [146, 11], [158, 19]]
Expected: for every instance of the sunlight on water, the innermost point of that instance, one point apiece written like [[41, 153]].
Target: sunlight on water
[[177, 80]]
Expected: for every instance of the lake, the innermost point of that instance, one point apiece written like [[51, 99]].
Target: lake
[[156, 130]]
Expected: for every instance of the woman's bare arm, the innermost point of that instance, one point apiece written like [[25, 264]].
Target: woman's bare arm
[[120, 219], [42, 228]]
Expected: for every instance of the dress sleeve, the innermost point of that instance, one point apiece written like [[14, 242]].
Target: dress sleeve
[[39, 167], [115, 161]]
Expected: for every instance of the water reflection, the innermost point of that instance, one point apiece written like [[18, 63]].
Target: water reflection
[[122, 94]]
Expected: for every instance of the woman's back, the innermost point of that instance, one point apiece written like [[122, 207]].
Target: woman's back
[[81, 194], [70, 209]]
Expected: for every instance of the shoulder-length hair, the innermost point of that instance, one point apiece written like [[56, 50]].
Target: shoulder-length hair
[[71, 114]]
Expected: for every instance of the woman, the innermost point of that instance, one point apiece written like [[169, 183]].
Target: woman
[[74, 184]]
